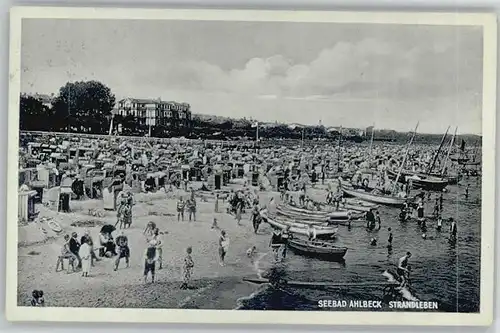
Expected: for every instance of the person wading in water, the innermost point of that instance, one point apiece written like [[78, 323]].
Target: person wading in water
[[453, 229], [403, 271], [370, 220]]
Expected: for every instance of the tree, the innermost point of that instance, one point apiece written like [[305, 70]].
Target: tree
[[84, 106], [34, 115]]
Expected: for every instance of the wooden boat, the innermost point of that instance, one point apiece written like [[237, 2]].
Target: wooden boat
[[340, 214], [323, 233], [420, 180], [359, 206], [375, 198], [354, 205], [299, 216], [317, 248], [300, 224], [304, 224]]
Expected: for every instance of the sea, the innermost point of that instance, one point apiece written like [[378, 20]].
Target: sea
[[441, 271]]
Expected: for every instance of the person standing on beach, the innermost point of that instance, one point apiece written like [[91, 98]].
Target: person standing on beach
[[191, 205], [86, 238], [159, 247], [441, 202], [150, 258], [74, 246], [239, 208], [180, 209], [439, 223], [302, 196], [123, 250], [187, 268], [223, 247], [86, 258], [467, 191], [216, 203]]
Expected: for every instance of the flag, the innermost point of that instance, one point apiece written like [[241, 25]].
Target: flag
[[255, 124], [462, 146]]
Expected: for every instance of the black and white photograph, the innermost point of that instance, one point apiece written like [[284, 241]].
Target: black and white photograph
[[254, 162]]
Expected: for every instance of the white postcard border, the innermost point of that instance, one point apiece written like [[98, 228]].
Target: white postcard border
[[484, 317]]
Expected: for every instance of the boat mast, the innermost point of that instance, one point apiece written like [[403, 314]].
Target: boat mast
[[338, 153], [404, 159], [449, 151], [429, 170], [371, 141]]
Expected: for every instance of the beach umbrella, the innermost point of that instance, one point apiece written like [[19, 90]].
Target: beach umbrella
[[108, 228]]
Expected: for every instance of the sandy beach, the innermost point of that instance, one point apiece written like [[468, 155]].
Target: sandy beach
[[213, 286]]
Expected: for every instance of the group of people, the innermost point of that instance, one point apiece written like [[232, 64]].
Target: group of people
[[190, 205], [79, 253]]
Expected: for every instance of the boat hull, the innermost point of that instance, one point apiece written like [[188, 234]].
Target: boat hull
[[322, 233], [420, 181], [378, 199], [307, 248]]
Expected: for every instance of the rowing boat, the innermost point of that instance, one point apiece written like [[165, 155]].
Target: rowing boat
[[300, 216], [324, 232], [331, 222], [324, 217], [317, 248], [327, 214], [375, 198]]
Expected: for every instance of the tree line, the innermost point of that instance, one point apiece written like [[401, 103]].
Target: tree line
[[86, 107]]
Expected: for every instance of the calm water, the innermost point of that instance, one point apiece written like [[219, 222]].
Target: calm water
[[441, 271]]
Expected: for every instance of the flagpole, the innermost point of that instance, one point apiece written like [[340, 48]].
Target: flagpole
[[257, 133], [303, 129]]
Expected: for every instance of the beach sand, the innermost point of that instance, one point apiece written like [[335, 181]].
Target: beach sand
[[214, 286]]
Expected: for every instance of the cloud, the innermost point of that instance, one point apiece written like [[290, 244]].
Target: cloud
[[365, 69]]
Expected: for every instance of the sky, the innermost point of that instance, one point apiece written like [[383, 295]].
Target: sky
[[354, 75]]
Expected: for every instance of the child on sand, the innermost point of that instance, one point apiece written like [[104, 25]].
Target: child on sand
[[214, 224], [223, 246], [150, 258], [188, 268]]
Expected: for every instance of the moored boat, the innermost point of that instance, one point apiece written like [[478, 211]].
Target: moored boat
[[316, 248], [321, 233], [420, 180], [340, 214], [375, 198]]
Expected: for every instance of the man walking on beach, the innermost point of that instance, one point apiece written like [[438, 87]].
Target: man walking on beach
[[180, 209]]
